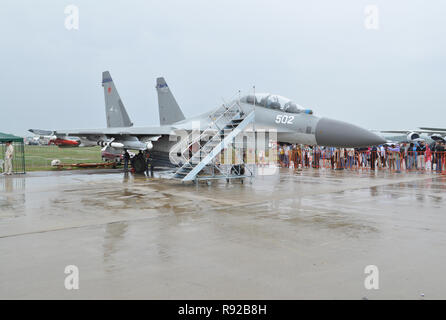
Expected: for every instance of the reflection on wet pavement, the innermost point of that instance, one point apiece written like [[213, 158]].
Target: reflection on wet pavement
[[12, 196], [306, 234]]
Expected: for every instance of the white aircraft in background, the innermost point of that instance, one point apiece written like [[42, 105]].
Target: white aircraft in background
[[423, 133]]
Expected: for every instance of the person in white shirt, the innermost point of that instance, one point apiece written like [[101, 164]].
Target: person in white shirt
[[351, 157], [287, 156], [8, 157], [382, 154]]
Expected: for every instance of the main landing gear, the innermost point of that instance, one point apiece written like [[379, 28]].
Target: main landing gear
[[139, 163]]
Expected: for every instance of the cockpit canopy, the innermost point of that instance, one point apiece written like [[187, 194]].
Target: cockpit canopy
[[274, 102]]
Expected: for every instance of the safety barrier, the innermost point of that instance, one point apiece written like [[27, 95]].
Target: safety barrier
[[396, 161], [40, 157]]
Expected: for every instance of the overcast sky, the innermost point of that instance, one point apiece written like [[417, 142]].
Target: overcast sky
[[318, 53]]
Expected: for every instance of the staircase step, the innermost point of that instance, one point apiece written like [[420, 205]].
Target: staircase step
[[231, 119]]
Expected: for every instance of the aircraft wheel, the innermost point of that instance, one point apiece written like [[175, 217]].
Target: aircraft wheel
[[139, 165]]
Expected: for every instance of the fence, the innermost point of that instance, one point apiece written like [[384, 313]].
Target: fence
[[18, 160], [366, 160], [40, 157]]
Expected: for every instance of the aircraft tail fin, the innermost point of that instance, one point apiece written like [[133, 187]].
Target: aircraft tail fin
[[114, 108], [169, 110]]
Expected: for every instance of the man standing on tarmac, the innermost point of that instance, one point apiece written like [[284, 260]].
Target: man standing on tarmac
[[421, 149], [149, 163], [126, 160], [439, 150], [373, 157], [8, 158]]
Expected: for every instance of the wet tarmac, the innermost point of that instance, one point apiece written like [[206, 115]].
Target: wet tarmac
[[295, 235]]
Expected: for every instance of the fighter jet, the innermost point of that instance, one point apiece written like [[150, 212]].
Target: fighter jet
[[256, 112]]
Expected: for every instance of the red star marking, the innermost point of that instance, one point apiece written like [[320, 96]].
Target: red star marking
[[109, 89]]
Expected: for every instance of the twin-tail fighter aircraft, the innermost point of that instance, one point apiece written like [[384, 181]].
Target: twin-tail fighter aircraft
[[256, 112]]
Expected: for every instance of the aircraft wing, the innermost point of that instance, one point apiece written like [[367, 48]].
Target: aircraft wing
[[141, 138], [396, 131], [423, 130], [437, 130], [117, 132], [41, 132]]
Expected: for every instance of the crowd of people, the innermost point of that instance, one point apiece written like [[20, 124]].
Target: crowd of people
[[397, 157]]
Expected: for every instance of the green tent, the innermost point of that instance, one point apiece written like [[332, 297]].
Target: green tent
[[18, 162]]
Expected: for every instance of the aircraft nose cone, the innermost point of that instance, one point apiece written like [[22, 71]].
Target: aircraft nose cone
[[335, 133]]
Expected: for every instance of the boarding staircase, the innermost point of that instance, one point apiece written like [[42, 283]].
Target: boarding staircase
[[226, 122]]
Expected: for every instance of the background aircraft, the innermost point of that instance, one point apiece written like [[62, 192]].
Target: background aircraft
[[427, 134], [46, 137]]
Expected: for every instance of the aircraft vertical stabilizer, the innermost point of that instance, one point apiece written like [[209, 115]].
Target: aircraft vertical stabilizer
[[169, 110], [114, 108]]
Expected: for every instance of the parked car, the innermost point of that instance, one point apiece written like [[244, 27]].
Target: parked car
[[114, 155]]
